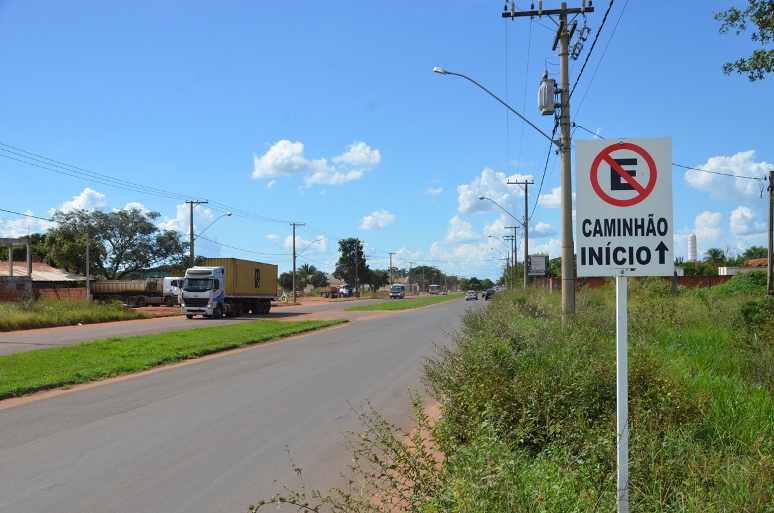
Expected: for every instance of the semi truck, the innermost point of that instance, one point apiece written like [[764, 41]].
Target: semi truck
[[139, 293], [228, 286]]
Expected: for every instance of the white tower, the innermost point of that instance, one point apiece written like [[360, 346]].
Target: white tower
[[692, 248]]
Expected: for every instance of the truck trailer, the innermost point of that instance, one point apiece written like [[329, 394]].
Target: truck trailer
[[228, 286], [153, 291]]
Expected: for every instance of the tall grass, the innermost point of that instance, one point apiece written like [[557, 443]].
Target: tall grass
[[528, 409], [47, 313]]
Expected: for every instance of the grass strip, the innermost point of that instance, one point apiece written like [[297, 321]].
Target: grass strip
[[404, 305], [31, 371]]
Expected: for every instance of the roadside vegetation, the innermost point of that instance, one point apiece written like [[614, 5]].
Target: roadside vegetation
[[404, 305], [527, 419], [32, 371], [48, 313]]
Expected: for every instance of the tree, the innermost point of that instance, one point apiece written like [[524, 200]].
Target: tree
[[285, 280], [348, 268], [37, 246], [120, 242], [304, 275], [377, 279], [755, 252], [319, 280], [714, 257], [761, 14]]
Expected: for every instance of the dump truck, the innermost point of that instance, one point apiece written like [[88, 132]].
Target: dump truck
[[329, 292], [139, 293], [228, 286]]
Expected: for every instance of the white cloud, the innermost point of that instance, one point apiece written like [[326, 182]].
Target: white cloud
[[707, 226], [287, 158], [553, 248], [16, 228], [744, 222], [433, 192], [89, 199], [490, 185], [376, 220], [725, 187], [359, 154], [332, 177], [460, 231], [271, 184], [542, 229], [133, 205], [554, 199]]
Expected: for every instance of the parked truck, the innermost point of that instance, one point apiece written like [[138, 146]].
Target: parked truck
[[329, 292], [228, 286], [150, 292]]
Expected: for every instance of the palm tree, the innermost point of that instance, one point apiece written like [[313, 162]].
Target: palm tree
[[714, 256], [304, 274]]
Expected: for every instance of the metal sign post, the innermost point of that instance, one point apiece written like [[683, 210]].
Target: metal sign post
[[624, 228], [622, 390]]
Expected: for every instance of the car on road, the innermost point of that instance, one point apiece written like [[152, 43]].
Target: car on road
[[445, 293], [488, 293], [471, 294]]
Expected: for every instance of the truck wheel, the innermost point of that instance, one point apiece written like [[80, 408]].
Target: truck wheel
[[169, 301], [218, 313], [268, 307], [141, 301], [189, 316]]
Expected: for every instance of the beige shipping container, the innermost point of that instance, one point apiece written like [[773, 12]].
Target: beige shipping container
[[247, 278]]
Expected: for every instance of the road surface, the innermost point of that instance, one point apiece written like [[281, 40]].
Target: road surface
[[211, 435]]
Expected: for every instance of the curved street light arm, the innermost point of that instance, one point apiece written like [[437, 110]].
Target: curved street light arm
[[444, 72], [501, 207], [227, 214]]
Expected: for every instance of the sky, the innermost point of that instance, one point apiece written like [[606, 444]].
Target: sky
[[327, 116]]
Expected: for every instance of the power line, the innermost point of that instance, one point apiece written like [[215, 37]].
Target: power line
[[39, 161]]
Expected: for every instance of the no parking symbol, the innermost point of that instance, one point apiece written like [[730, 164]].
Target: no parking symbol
[[623, 180]]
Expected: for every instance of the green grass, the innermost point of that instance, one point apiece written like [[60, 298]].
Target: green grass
[[31, 371], [47, 313], [528, 410], [404, 305]]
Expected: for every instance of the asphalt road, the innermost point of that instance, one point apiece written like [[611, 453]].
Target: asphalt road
[[211, 435]]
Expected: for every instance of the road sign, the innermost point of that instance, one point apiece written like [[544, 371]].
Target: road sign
[[624, 207]]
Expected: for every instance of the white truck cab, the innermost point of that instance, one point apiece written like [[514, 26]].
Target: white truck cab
[[203, 292]]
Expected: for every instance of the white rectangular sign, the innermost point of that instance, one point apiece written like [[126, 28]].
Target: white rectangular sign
[[623, 207]]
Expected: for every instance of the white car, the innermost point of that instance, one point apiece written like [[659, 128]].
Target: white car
[[471, 294]]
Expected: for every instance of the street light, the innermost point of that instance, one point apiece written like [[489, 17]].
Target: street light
[[524, 225], [227, 214], [563, 145], [513, 280], [444, 72]]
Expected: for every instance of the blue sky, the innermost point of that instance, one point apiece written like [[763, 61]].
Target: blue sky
[[329, 114]]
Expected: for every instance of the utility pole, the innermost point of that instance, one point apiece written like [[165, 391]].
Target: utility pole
[[409, 276], [294, 258], [191, 232], [391, 267], [563, 35], [770, 279], [526, 184], [514, 247]]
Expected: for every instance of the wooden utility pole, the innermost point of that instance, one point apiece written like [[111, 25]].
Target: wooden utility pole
[[294, 259], [526, 184], [191, 231], [770, 266]]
